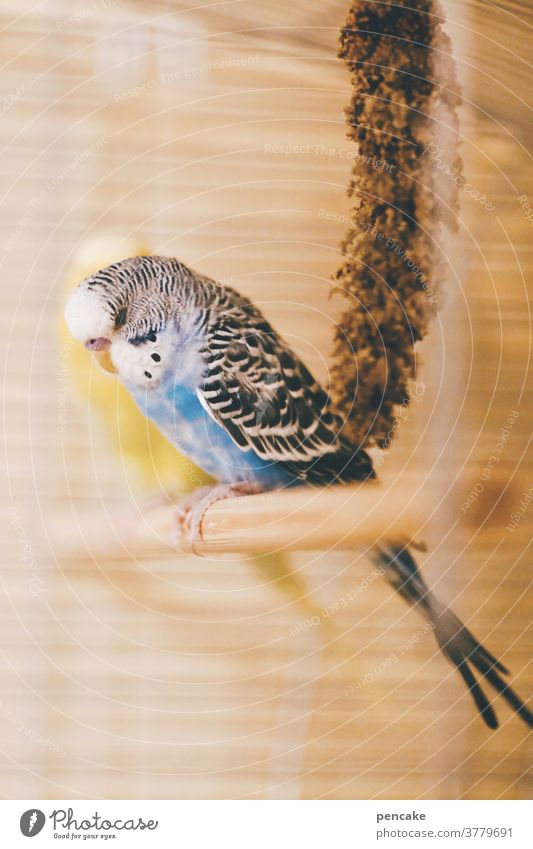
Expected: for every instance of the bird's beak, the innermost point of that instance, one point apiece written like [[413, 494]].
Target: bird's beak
[[103, 358], [100, 346]]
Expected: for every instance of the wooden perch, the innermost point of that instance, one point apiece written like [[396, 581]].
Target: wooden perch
[[306, 518]]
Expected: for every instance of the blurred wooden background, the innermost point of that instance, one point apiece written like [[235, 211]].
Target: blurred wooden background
[[186, 677]]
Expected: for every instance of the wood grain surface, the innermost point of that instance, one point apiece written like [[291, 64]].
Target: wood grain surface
[[216, 133]]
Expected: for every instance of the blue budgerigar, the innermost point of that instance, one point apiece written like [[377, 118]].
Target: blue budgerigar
[[205, 365]]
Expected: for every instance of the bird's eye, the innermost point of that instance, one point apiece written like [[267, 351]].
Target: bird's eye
[[120, 318]]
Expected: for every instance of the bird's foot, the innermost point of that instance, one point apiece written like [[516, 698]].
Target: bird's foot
[[191, 509]]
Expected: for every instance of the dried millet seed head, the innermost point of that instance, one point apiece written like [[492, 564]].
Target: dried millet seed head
[[403, 77]]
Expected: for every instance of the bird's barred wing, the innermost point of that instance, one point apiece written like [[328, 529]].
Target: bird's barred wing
[[267, 400]]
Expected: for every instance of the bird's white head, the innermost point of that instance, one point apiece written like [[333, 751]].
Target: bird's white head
[[87, 318], [126, 313]]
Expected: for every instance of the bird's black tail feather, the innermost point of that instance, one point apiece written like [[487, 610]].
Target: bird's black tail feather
[[455, 640]]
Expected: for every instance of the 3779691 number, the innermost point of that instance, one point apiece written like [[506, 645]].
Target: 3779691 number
[[484, 831]]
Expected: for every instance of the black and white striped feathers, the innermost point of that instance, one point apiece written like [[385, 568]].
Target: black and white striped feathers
[[249, 380], [267, 399]]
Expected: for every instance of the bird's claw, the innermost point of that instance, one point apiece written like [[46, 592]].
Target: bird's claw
[[191, 510]]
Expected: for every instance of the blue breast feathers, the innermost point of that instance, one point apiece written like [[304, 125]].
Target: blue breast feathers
[[180, 416]]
